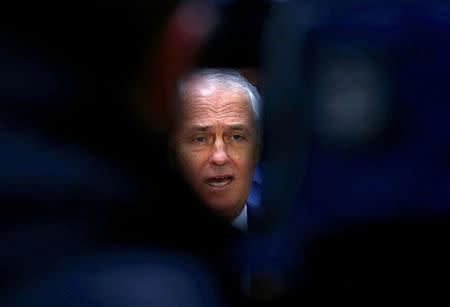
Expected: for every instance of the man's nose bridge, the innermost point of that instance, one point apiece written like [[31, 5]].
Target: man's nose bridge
[[219, 150], [219, 146]]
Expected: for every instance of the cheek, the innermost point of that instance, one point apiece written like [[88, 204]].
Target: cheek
[[191, 162], [245, 161]]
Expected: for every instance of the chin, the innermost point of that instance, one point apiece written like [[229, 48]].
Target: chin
[[222, 206]]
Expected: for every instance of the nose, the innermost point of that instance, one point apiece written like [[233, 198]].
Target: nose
[[219, 155]]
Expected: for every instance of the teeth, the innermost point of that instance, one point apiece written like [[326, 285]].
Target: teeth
[[219, 184]]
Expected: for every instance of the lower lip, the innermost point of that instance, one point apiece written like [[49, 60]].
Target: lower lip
[[223, 184]]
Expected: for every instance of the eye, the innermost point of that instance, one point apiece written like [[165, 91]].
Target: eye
[[236, 137], [199, 139]]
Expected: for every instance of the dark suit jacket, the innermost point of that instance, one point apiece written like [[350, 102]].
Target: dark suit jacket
[[254, 209]]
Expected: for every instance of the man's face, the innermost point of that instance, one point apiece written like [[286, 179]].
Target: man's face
[[215, 144]]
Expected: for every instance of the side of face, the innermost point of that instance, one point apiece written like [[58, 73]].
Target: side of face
[[215, 143]]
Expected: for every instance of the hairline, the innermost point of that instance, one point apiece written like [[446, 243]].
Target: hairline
[[229, 78]]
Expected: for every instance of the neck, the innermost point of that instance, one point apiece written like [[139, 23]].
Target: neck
[[229, 216]]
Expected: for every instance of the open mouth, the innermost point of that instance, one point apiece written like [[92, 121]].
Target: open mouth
[[219, 181]]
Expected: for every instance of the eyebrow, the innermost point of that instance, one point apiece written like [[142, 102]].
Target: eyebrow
[[206, 128], [199, 128], [238, 128]]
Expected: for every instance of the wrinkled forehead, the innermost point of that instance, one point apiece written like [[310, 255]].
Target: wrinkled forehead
[[200, 94]]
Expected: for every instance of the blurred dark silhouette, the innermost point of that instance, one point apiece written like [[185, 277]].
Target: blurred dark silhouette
[[355, 164], [356, 151], [92, 213]]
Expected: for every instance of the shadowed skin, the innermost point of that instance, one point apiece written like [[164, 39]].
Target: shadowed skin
[[215, 143]]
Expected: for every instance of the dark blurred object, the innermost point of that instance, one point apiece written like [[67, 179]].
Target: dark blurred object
[[236, 42], [85, 176], [356, 149], [134, 278]]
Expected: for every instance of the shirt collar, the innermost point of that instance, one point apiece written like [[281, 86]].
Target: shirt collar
[[240, 222]]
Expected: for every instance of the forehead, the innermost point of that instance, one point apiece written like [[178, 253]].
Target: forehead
[[203, 100]]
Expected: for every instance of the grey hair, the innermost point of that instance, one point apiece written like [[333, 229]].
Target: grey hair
[[228, 77]]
